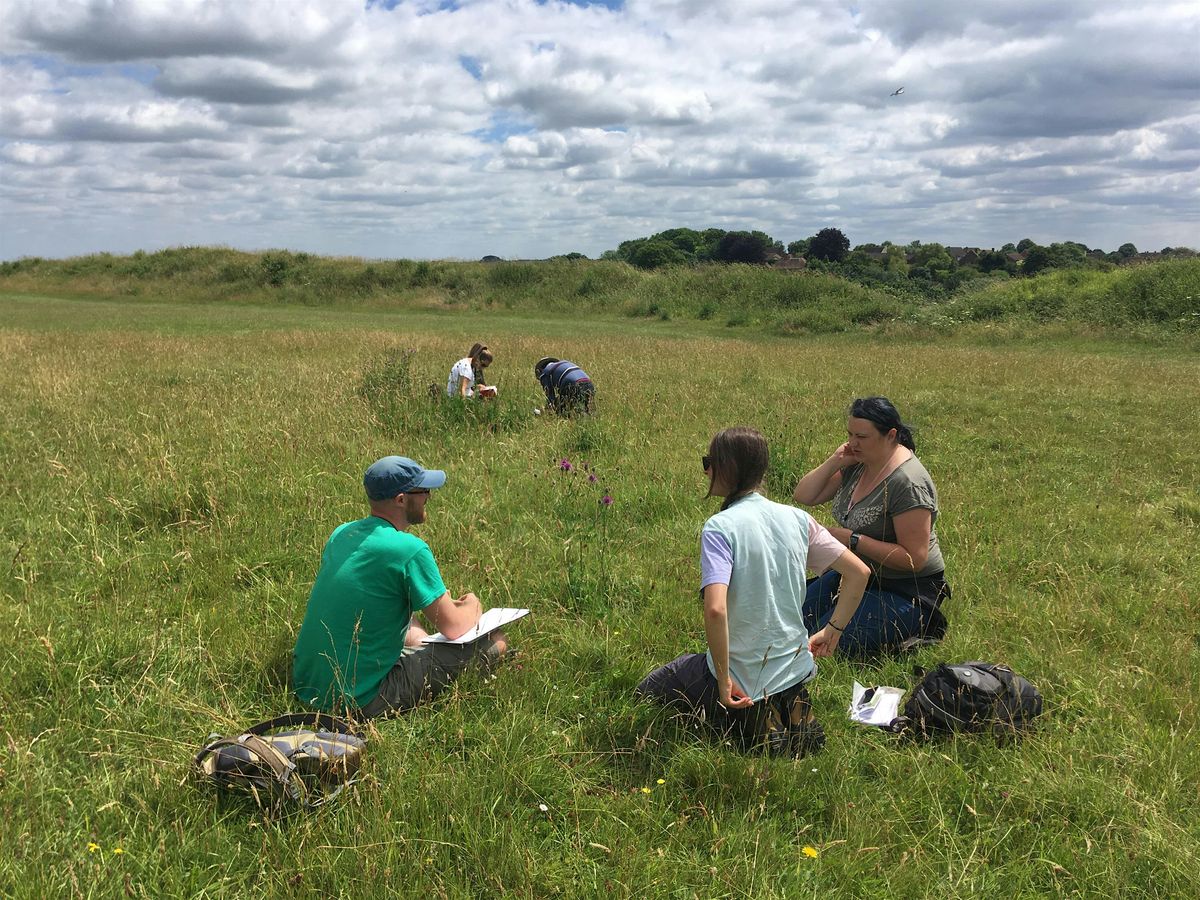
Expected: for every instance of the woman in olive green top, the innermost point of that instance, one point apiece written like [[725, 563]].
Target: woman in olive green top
[[886, 506]]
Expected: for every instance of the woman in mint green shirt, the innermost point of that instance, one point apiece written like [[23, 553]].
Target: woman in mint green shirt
[[753, 557]]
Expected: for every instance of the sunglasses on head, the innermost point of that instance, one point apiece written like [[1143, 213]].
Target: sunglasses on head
[[706, 462]]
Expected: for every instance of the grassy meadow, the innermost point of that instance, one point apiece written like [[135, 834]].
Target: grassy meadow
[[172, 469]]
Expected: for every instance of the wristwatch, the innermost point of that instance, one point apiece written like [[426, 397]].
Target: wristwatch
[[853, 542]]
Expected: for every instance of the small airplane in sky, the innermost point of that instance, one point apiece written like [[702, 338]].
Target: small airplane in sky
[[897, 92]]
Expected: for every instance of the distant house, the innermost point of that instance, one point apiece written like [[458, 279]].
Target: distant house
[[1014, 257], [965, 256], [791, 263]]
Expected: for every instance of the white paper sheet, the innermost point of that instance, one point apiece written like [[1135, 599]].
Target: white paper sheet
[[880, 708], [492, 619]]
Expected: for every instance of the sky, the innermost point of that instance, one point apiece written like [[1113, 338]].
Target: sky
[[458, 128]]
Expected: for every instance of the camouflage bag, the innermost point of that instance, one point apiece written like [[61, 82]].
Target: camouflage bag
[[304, 766]]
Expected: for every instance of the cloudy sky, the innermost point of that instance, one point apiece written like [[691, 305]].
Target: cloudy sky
[[420, 128]]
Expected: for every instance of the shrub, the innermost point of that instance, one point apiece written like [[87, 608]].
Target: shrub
[[274, 267], [738, 318], [512, 275], [604, 280], [814, 321], [423, 274]]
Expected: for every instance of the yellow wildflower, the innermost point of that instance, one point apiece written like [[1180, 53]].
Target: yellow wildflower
[[645, 790], [118, 850], [662, 781], [811, 852], [93, 846]]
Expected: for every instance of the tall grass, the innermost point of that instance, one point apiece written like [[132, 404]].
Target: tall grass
[[170, 476], [1166, 293]]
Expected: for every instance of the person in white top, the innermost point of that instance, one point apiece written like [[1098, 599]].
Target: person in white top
[[468, 371], [753, 556]]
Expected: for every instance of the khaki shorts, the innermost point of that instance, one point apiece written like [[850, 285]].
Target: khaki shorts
[[421, 674]]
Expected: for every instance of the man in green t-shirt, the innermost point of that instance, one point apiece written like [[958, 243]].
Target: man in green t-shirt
[[360, 648]]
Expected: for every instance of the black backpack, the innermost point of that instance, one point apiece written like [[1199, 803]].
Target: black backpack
[[971, 696]]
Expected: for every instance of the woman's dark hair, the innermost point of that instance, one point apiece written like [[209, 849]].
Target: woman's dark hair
[[880, 412], [739, 458], [480, 356]]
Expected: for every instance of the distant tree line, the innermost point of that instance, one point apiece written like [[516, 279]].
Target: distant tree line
[[682, 246], [930, 265]]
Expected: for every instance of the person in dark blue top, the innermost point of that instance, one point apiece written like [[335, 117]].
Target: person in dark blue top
[[568, 388]]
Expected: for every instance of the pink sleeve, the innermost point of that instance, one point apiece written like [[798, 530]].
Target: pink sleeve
[[823, 547]]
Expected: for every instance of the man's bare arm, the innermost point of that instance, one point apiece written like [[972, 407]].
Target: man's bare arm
[[454, 618]]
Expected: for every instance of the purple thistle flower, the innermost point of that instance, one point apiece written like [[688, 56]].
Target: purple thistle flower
[[565, 465], [607, 500], [592, 479]]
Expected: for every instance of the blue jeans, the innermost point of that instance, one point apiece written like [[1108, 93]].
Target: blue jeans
[[882, 621]]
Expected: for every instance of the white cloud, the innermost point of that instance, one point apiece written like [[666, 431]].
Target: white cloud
[[527, 129], [245, 81], [41, 155]]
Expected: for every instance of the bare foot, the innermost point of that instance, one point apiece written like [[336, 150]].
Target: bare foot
[[500, 642]]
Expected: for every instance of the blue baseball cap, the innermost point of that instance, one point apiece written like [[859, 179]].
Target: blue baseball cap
[[394, 475]]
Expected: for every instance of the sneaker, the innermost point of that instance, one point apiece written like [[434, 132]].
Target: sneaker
[[800, 735]]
